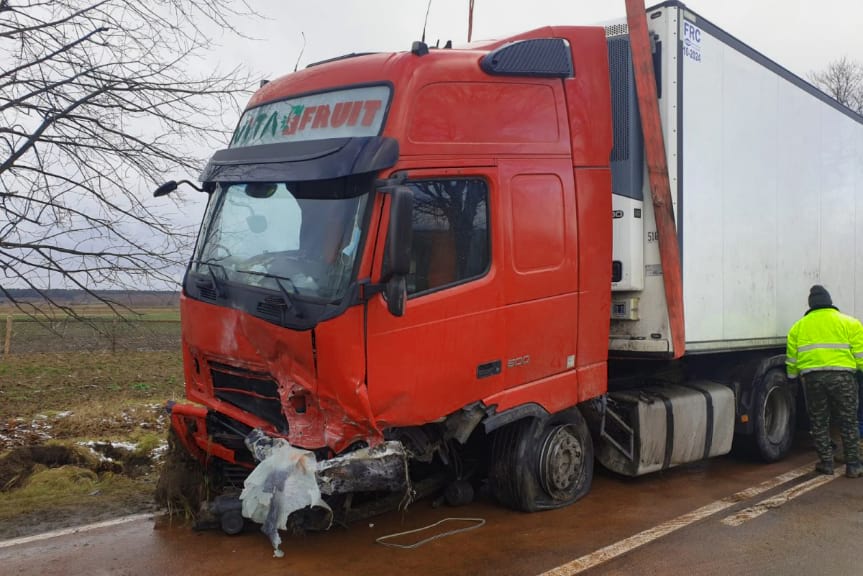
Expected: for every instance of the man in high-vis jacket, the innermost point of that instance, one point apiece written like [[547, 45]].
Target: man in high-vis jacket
[[825, 349]]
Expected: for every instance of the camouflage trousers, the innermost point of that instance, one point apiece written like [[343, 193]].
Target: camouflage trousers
[[832, 392]]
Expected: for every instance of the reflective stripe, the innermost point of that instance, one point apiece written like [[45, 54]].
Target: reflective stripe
[[859, 355], [794, 360], [817, 346], [828, 369]]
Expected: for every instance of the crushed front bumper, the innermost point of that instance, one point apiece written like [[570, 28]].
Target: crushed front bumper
[[208, 435]]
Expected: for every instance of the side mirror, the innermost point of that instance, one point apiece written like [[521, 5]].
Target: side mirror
[[171, 185], [165, 188], [257, 224], [397, 294], [401, 231], [260, 190]]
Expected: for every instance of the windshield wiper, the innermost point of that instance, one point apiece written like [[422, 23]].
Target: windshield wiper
[[290, 303], [288, 299]]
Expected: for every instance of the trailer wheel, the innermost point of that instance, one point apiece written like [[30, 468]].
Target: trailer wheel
[[541, 464], [774, 411]]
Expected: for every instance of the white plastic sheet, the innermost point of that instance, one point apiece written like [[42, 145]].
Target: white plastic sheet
[[283, 482]]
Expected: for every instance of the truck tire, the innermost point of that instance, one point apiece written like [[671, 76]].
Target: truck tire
[[775, 414], [542, 463]]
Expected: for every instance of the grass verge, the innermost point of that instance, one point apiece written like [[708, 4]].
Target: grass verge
[[79, 407]]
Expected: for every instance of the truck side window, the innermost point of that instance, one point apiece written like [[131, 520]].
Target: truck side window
[[450, 233]]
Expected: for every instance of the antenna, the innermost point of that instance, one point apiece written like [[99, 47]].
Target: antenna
[[303, 49], [428, 9], [469, 19]]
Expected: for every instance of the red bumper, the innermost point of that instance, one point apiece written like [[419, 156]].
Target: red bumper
[[189, 421]]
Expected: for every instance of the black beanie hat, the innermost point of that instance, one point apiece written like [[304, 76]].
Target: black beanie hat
[[819, 297]]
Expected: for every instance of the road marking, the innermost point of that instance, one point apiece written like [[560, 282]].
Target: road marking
[[620, 548], [778, 500], [74, 530]]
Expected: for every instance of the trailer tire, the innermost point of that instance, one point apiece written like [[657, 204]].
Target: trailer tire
[[775, 414], [542, 463]]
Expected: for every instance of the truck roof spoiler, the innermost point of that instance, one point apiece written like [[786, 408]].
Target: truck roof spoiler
[[299, 161]]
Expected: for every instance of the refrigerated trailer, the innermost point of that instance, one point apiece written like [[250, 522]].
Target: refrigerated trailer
[[766, 175], [444, 264]]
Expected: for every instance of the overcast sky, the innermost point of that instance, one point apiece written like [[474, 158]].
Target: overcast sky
[[802, 36]]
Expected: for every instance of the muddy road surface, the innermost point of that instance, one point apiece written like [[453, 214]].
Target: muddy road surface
[[725, 516]]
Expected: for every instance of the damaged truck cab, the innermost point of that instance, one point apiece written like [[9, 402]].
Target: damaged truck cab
[[413, 248], [446, 266]]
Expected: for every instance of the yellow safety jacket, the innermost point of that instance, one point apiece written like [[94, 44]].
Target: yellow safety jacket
[[824, 339]]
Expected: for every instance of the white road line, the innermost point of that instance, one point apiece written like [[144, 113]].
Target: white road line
[[74, 530], [779, 499], [622, 547]]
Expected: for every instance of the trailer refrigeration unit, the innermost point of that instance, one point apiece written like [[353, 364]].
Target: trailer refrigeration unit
[[443, 266]]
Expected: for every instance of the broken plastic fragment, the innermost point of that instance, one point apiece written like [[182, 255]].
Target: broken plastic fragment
[[283, 482], [382, 467]]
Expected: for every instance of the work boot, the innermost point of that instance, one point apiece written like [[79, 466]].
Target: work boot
[[854, 470], [824, 468]]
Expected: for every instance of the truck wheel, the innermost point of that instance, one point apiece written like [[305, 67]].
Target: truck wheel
[[541, 464], [774, 411]]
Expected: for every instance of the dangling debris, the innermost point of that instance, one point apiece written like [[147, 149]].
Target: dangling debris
[[282, 483]]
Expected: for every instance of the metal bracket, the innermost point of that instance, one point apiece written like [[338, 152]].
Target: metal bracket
[[385, 185], [606, 410]]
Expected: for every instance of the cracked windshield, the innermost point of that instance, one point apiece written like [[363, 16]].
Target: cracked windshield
[[294, 237]]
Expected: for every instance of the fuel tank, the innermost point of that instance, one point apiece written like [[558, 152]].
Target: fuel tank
[[658, 427]]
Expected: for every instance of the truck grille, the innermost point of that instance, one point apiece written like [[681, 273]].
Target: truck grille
[[255, 392]]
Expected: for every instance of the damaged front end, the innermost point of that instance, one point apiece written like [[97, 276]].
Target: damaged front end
[[289, 481], [263, 478]]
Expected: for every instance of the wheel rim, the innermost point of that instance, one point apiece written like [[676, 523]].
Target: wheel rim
[[561, 462], [777, 411]]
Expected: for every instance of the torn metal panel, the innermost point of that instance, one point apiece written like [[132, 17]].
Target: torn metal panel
[[382, 467]]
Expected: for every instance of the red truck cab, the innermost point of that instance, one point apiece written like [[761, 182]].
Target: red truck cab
[[411, 247]]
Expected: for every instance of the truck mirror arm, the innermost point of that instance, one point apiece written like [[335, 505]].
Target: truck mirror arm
[[172, 185], [394, 291]]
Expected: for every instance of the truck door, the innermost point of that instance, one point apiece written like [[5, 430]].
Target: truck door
[[540, 274], [446, 351]]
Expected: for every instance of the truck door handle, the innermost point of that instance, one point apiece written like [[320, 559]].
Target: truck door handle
[[488, 369]]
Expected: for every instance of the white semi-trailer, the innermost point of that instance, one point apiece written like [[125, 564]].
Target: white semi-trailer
[[766, 179]]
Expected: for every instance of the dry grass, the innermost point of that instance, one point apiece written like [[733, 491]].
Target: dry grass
[[87, 384], [93, 311], [70, 495], [62, 400]]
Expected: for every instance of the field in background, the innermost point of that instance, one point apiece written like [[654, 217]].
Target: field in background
[[97, 328], [92, 385], [82, 419]]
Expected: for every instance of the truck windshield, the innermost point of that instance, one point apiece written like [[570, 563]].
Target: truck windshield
[[300, 238]]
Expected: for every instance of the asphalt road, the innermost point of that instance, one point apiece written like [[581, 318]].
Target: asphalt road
[[725, 516]]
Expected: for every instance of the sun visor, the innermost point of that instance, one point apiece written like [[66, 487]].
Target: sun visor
[[304, 160]]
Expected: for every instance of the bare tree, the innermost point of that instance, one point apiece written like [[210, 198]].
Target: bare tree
[[843, 80], [100, 100]]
